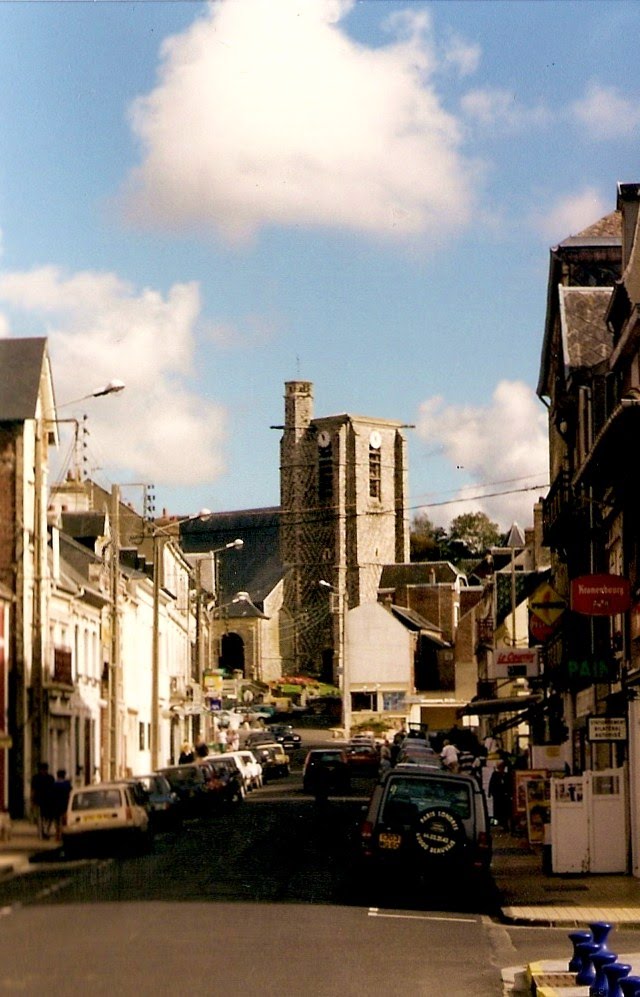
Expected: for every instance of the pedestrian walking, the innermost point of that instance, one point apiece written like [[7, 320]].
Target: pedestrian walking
[[186, 754], [500, 793], [201, 748], [61, 791], [450, 755], [42, 799]]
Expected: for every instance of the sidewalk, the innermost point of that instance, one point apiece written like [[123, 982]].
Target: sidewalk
[[19, 854], [528, 895]]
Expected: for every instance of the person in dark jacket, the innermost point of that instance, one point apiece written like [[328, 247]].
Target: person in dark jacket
[[500, 793], [61, 792]]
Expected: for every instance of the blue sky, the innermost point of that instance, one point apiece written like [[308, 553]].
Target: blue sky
[[209, 200]]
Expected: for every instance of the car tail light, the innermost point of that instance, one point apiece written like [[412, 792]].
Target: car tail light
[[366, 836], [128, 813]]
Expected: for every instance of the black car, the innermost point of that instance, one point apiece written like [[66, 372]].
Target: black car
[[326, 769], [163, 804], [285, 735], [424, 824]]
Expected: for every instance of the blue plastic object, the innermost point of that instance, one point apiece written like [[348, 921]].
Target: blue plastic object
[[576, 937], [586, 974], [600, 985], [614, 973]]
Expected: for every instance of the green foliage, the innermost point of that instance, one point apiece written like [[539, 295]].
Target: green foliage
[[475, 531], [470, 535]]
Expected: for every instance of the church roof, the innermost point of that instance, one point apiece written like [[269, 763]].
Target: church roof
[[257, 567]]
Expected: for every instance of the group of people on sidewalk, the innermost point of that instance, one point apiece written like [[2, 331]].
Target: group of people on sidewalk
[[49, 800], [461, 751]]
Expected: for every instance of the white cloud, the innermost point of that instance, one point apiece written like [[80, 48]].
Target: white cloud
[[501, 108], [501, 447], [606, 114], [99, 327], [570, 215], [269, 114], [463, 56]]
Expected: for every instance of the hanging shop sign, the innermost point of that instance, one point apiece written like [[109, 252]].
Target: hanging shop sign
[[600, 595], [592, 670], [514, 662], [546, 605], [606, 729]]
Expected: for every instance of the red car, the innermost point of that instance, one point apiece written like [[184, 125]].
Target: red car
[[363, 758]]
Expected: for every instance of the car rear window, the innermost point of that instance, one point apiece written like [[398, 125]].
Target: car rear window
[[421, 794], [327, 756], [97, 799]]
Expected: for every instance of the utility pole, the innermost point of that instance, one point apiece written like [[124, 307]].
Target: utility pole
[[114, 658]]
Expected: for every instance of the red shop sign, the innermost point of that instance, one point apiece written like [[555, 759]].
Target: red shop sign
[[600, 595]]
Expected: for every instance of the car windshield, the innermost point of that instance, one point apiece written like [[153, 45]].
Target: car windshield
[[420, 794], [184, 775], [97, 799], [324, 757]]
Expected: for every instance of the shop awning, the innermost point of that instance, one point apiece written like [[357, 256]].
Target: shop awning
[[504, 704]]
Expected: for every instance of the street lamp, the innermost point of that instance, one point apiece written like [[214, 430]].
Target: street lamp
[[343, 669], [112, 388]]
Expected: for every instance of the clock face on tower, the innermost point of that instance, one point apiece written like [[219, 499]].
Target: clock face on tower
[[324, 438], [375, 440]]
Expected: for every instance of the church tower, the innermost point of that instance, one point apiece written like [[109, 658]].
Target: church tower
[[343, 486]]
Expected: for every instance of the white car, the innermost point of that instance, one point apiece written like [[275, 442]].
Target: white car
[[105, 816], [249, 766]]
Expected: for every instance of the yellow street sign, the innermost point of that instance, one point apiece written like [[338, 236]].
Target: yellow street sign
[[546, 604]]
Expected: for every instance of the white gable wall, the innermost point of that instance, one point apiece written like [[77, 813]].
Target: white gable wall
[[379, 649]]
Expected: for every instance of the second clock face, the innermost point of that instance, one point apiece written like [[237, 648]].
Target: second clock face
[[375, 440], [324, 438]]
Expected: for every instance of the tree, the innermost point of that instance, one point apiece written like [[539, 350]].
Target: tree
[[426, 540], [472, 533]]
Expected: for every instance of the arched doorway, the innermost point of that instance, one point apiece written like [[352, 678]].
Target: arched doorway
[[232, 653]]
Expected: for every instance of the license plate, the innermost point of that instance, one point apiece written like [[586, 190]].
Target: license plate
[[91, 818], [387, 840]]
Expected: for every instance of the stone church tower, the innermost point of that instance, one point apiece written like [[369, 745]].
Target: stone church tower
[[343, 486]]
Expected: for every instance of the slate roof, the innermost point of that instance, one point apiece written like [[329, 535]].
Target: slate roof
[[586, 340], [606, 231], [255, 569], [416, 622], [85, 527], [21, 363], [419, 573]]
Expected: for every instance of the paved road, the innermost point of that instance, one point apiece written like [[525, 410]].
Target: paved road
[[254, 899]]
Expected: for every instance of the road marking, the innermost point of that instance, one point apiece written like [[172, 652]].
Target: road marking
[[376, 912]]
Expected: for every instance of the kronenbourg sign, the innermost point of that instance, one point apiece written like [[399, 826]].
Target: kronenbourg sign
[[514, 662], [600, 595]]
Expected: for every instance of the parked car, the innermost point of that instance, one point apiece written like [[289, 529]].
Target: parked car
[[249, 766], [105, 817], [258, 737], [274, 761], [326, 768], [285, 735], [426, 824], [163, 803], [193, 787], [226, 771], [363, 758], [416, 752]]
